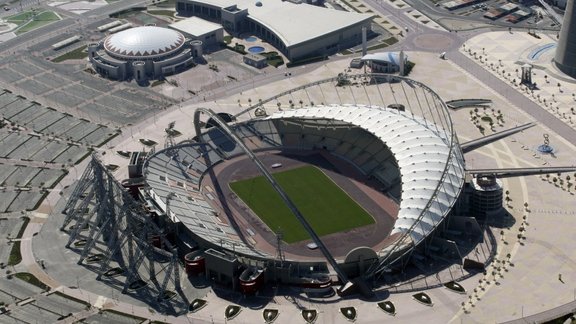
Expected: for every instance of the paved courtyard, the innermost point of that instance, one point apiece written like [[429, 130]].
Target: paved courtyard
[[543, 196], [55, 114]]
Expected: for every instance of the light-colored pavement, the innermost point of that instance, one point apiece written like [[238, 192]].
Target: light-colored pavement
[[530, 286], [516, 151]]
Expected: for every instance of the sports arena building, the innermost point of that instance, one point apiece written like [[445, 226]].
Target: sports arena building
[[412, 155], [143, 53], [296, 29]]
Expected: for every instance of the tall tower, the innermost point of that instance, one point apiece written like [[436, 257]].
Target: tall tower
[[565, 58]]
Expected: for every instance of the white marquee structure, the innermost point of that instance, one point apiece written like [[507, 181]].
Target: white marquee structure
[[413, 153]]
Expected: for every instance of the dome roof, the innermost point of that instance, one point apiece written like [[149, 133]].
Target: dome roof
[[144, 42]]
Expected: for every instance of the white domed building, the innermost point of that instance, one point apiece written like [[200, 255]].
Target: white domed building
[[142, 53]]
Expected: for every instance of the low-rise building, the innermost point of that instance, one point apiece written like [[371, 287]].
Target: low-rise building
[[255, 60], [141, 53], [297, 30], [195, 28]]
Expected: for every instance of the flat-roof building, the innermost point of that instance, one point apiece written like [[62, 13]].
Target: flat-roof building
[[384, 62], [199, 29], [255, 60], [457, 4], [495, 13], [298, 30], [517, 16]]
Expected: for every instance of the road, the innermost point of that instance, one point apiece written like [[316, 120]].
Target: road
[[514, 96], [412, 42], [72, 21], [417, 32]]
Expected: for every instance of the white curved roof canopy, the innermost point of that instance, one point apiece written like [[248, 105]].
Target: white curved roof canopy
[[144, 42], [431, 182]]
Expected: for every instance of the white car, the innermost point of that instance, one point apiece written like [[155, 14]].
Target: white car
[[312, 246]]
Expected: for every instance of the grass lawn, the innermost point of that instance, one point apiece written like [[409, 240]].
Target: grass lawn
[[15, 256], [31, 279], [168, 13], [76, 54], [26, 23], [325, 206], [23, 16]]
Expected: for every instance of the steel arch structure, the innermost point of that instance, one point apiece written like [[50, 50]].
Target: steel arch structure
[[228, 131], [421, 102]]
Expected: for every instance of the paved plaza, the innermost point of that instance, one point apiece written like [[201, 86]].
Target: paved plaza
[[544, 198], [56, 114]]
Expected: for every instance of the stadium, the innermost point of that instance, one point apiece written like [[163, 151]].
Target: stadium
[[391, 159], [143, 53]]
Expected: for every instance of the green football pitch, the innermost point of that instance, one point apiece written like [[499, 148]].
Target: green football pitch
[[325, 206]]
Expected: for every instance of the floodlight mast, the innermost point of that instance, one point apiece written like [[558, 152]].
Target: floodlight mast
[[228, 131]]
